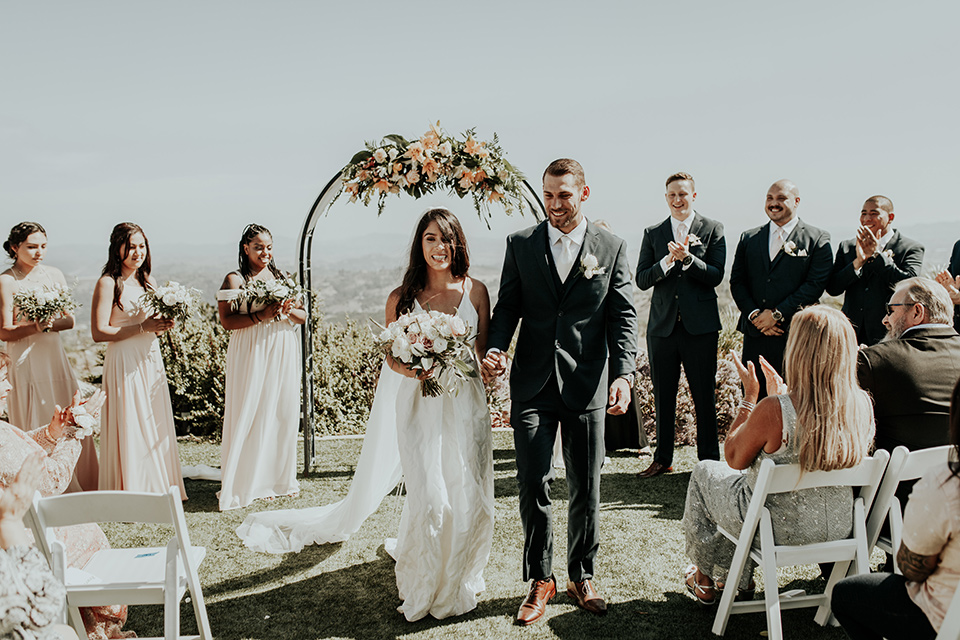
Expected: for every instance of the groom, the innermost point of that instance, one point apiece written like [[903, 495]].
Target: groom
[[569, 282]]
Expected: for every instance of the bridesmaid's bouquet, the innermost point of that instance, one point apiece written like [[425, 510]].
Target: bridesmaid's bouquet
[[45, 303], [172, 300], [430, 341], [266, 292]]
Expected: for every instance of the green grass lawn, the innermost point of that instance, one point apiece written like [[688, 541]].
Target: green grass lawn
[[348, 590]]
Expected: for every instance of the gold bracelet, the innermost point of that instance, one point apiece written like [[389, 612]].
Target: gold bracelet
[[141, 327]]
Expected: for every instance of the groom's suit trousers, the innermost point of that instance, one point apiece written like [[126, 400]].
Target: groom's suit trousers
[[535, 424]]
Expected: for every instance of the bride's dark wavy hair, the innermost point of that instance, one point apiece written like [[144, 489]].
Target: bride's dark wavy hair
[[415, 278], [118, 252], [250, 232]]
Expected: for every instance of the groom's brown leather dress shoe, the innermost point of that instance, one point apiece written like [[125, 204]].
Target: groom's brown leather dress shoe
[[587, 597], [655, 469], [536, 602]]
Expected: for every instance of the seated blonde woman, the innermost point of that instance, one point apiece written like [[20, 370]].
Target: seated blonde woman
[[820, 419], [57, 449]]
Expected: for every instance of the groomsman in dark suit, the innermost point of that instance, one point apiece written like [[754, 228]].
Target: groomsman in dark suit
[[683, 259], [778, 269], [569, 282], [868, 267]]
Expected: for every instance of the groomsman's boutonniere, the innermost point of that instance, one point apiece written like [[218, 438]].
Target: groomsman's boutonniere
[[693, 240], [790, 248], [888, 253], [590, 266]]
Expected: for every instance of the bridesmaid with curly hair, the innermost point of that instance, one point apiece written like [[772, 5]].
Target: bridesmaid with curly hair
[[40, 372], [138, 442], [258, 456]]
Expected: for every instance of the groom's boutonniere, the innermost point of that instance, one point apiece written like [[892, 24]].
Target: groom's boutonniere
[[693, 240], [790, 248], [590, 266]]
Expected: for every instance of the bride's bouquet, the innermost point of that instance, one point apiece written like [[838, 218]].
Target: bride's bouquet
[[45, 303], [266, 292], [172, 300], [430, 341]]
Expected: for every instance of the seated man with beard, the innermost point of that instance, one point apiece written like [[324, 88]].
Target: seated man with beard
[[911, 374]]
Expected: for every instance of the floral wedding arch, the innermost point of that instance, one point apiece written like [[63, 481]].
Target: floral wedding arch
[[463, 166]]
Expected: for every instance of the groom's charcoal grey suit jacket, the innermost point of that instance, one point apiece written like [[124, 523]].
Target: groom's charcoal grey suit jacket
[[583, 330]]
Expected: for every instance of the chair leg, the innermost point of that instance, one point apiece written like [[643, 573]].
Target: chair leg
[[76, 621], [171, 601], [733, 578], [771, 590]]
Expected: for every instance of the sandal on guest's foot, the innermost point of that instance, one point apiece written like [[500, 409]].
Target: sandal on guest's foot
[[705, 594]]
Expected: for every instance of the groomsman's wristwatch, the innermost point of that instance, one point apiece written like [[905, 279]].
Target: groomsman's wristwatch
[[777, 315], [687, 261]]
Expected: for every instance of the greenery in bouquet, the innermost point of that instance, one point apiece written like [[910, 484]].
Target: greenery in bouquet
[[45, 303], [432, 342], [266, 292], [172, 300], [436, 160]]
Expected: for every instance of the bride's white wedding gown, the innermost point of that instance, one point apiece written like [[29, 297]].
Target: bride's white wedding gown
[[446, 529]]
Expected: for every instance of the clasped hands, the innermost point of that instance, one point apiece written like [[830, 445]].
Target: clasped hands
[[748, 377], [495, 364], [766, 323]]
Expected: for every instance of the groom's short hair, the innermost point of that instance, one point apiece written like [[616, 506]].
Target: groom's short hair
[[563, 166], [682, 175]]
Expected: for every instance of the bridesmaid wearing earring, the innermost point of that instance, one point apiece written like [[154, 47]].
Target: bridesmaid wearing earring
[[138, 442], [40, 372], [258, 455]]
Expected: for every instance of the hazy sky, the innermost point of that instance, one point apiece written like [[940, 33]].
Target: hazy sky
[[194, 118]]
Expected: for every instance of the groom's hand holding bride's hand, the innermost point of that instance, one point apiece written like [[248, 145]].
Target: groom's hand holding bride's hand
[[494, 364], [619, 398]]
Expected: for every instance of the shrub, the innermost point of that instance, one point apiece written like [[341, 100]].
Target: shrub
[[195, 354]]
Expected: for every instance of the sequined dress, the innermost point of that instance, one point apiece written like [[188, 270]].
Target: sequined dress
[[719, 495]]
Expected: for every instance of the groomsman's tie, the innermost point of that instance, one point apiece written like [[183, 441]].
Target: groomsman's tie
[[681, 233], [777, 244], [565, 262]]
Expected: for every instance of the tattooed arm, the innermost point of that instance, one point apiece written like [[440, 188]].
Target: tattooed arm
[[914, 566]]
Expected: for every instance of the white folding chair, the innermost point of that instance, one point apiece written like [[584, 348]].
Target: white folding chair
[[156, 575], [773, 479], [950, 628], [904, 465]]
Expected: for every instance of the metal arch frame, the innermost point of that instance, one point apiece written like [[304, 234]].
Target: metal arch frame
[[305, 251]]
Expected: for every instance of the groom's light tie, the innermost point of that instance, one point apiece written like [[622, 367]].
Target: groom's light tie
[[565, 262], [681, 233], [777, 244]]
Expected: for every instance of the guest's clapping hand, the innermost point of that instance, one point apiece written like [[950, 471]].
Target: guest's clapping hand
[[867, 245], [60, 423], [775, 384], [951, 284], [748, 377], [16, 497]]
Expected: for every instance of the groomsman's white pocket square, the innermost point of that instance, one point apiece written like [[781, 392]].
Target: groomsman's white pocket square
[[590, 266]]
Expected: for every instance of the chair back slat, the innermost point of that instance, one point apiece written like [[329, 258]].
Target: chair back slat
[[105, 506], [791, 477], [920, 461]]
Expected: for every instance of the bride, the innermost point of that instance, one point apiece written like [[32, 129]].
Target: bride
[[441, 445]]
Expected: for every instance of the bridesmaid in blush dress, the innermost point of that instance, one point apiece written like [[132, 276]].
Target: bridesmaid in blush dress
[[138, 443], [258, 456], [40, 371]]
